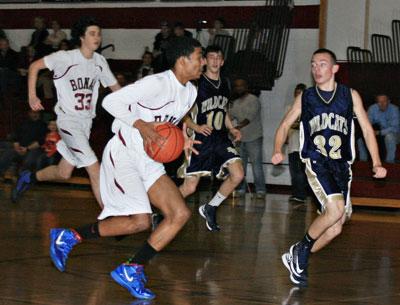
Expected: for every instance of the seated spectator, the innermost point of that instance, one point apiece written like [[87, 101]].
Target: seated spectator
[[56, 36], [49, 155], [160, 45], [121, 79], [2, 34], [218, 29], [146, 67], [179, 30], [385, 120], [8, 68], [26, 144]]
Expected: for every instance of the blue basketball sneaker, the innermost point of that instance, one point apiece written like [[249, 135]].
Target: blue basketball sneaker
[[209, 213], [298, 271], [24, 182], [61, 243], [132, 277]]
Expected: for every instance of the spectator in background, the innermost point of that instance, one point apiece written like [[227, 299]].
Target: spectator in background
[[64, 45], [159, 47], [56, 36], [296, 166], [121, 79], [8, 68], [39, 38], [26, 143], [2, 34], [49, 155], [385, 119], [246, 111], [147, 65], [179, 30], [218, 29]]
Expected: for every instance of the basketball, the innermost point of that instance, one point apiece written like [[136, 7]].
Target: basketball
[[172, 148]]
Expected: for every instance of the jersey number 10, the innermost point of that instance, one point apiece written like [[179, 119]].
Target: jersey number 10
[[215, 119]]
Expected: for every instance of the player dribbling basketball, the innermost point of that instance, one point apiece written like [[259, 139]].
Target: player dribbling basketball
[[129, 178]]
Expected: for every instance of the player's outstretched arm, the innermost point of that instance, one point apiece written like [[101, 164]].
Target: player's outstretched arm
[[369, 135], [283, 129], [203, 129], [34, 68]]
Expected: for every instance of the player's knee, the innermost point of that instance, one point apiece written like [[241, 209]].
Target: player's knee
[[335, 211], [64, 174], [189, 188], [181, 215], [237, 176]]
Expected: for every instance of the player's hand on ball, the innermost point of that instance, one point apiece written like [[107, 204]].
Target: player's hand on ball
[[149, 134], [237, 135], [277, 158], [379, 172], [35, 103], [204, 129]]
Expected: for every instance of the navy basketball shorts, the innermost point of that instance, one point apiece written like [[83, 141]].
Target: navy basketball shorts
[[213, 159], [329, 180]]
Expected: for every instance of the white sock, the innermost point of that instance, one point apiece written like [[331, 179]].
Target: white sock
[[217, 199]]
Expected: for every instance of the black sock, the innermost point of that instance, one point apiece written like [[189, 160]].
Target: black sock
[[33, 177], [308, 241], [90, 231], [146, 253]]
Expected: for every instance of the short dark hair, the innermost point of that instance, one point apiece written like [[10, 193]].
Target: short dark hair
[[331, 53], [301, 87], [221, 20], [180, 46], [79, 28], [213, 49]]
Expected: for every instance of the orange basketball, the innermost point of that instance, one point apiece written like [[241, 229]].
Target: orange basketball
[[172, 148]]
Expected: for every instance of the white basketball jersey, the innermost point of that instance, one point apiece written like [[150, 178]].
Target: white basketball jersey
[[155, 98], [77, 80]]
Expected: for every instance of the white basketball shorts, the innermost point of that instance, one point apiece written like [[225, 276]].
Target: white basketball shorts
[[125, 177], [74, 144]]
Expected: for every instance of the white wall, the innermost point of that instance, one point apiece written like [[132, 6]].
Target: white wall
[[346, 22]]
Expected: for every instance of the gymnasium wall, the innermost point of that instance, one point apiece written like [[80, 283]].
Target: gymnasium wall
[[132, 27]]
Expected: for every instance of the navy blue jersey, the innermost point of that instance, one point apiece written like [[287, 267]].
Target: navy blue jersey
[[211, 107], [326, 125]]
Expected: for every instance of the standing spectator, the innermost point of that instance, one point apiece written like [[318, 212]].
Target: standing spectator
[[179, 30], [49, 154], [246, 110], [8, 68], [146, 67], [218, 29], [296, 167], [385, 119], [39, 38], [26, 143], [56, 36], [159, 47]]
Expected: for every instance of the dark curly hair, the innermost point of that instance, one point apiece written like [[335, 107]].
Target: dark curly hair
[[79, 28]]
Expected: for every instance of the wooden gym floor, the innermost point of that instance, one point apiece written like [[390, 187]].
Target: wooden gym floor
[[240, 265]]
